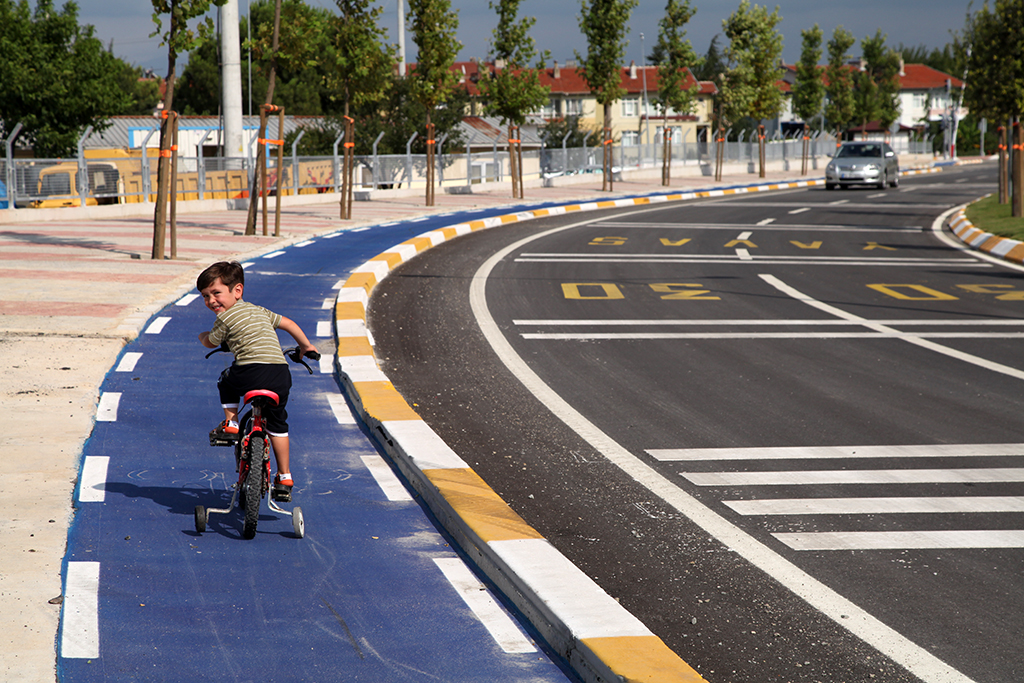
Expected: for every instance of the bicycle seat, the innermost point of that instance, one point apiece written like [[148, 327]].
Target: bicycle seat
[[256, 393]]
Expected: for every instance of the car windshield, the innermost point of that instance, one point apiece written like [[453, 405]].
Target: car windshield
[[860, 151]]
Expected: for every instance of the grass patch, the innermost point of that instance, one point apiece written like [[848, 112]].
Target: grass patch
[[989, 215]]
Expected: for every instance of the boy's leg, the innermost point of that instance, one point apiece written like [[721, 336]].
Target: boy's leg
[[281, 452]]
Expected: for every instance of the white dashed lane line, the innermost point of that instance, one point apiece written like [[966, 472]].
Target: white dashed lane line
[[80, 628], [323, 328], [94, 479], [186, 300], [128, 362], [801, 210], [385, 478], [106, 411], [341, 410], [157, 326]]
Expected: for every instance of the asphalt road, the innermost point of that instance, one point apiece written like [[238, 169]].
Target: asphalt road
[[782, 430]]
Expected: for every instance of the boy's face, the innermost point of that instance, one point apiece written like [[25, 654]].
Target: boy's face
[[218, 297]]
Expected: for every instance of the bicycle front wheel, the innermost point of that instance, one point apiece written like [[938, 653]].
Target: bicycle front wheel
[[254, 484]]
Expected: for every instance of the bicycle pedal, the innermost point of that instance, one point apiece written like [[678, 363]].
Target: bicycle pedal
[[281, 495], [214, 441]]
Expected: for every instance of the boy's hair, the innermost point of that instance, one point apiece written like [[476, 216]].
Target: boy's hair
[[230, 273]]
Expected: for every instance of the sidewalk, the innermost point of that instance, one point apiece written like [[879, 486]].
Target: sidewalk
[[73, 292]]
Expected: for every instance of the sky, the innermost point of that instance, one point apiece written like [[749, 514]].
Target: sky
[[128, 24]]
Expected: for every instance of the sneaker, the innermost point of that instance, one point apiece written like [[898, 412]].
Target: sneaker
[[282, 491], [224, 432]]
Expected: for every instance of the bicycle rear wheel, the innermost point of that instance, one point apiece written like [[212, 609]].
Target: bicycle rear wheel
[[254, 484]]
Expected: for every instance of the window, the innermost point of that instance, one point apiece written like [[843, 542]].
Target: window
[[631, 106], [573, 107], [630, 138], [675, 132]]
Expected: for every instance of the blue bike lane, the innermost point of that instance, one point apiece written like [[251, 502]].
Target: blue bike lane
[[373, 592]]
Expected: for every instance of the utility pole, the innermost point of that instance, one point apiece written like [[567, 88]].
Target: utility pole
[[231, 84], [401, 37]]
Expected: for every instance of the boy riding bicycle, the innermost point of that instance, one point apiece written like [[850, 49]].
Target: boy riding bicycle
[[249, 333]]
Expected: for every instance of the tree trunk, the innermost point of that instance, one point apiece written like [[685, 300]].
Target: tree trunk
[[806, 151], [260, 172], [607, 183], [513, 167], [1018, 171], [1003, 194], [430, 161], [163, 164], [666, 153]]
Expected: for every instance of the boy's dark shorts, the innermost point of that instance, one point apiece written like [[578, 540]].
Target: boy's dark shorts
[[236, 380]]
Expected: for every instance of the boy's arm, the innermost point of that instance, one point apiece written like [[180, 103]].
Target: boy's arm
[[292, 328], [204, 338]]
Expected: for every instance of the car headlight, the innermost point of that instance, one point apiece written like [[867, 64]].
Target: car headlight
[[873, 167]]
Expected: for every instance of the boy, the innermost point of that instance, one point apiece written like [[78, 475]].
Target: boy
[[249, 332]]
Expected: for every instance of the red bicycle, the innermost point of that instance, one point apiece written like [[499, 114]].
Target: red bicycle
[[252, 461]]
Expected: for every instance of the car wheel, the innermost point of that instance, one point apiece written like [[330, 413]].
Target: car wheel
[[895, 182], [884, 182], [830, 186]]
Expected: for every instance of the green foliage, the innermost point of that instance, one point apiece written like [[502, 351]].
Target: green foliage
[[555, 131], [55, 77], [198, 89], [179, 36], [754, 54], [433, 26], [839, 89], [360, 64], [943, 59], [995, 84], [713, 64], [605, 24], [514, 90], [676, 55], [808, 90], [878, 86]]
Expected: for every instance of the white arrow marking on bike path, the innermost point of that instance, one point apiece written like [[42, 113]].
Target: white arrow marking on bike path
[[106, 411], [94, 479], [80, 633], [495, 620]]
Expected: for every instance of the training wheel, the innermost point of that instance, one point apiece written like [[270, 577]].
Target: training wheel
[[298, 523], [201, 517]]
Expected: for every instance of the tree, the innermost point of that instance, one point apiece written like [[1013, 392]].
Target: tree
[[675, 58], [995, 87], [604, 23], [839, 82], [712, 64], [808, 90], [878, 85], [754, 53], [433, 25], [55, 77], [178, 38], [359, 70], [513, 90]]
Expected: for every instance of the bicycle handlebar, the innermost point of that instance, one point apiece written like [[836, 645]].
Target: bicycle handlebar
[[292, 354]]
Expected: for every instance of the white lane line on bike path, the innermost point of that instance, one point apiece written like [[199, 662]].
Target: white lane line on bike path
[[341, 410], [385, 478], [157, 326], [323, 328], [94, 479], [497, 622], [186, 300], [106, 411], [128, 362], [80, 625]]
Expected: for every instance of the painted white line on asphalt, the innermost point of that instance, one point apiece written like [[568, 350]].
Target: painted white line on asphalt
[[128, 362], [326, 363], [385, 478], [833, 452], [801, 210], [94, 478], [838, 202], [273, 254], [186, 300], [80, 624], [917, 660], [902, 540], [341, 410], [327, 305], [744, 255], [876, 195], [744, 235], [878, 506], [157, 326], [247, 264], [765, 221], [497, 622], [939, 348], [582, 336], [996, 322], [304, 244], [338, 285], [106, 411], [993, 475], [323, 328]]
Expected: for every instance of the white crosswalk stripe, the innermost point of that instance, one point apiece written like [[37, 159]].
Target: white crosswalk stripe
[[961, 521]]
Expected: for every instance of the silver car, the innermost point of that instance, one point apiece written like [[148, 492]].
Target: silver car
[[863, 163]]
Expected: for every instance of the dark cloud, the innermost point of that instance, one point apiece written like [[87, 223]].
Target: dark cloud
[[128, 24]]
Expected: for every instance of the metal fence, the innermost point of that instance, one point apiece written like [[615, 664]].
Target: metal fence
[[131, 177]]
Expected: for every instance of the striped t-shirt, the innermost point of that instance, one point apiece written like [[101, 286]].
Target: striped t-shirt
[[249, 332]]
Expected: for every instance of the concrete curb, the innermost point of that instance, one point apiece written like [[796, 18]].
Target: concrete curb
[[975, 238], [600, 639]]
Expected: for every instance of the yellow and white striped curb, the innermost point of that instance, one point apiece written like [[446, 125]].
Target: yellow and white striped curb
[[1003, 247], [600, 639], [921, 171]]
